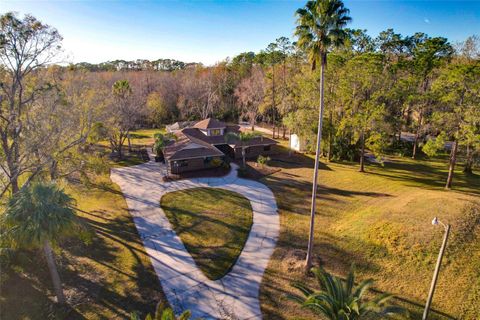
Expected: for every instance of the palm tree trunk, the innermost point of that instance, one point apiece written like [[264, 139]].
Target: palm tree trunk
[[308, 264], [362, 153], [451, 169], [52, 267]]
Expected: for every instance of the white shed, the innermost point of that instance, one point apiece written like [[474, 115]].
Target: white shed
[[297, 143]]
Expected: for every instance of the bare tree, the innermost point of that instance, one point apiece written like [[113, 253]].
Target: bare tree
[[250, 94], [122, 113], [200, 94], [26, 46]]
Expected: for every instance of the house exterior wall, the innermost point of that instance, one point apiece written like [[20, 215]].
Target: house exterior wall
[[254, 151], [176, 167]]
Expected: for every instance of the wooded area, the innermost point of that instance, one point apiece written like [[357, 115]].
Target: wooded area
[[375, 89]]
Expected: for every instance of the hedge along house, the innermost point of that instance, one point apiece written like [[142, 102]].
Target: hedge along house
[[203, 146]]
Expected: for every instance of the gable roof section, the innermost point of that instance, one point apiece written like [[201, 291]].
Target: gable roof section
[[193, 143], [187, 148], [210, 123], [195, 133]]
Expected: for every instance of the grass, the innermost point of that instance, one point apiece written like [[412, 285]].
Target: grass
[[106, 279], [379, 220], [142, 138], [213, 224]]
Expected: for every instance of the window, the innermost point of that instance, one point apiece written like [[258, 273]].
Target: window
[[215, 132], [267, 148], [207, 160], [181, 163]]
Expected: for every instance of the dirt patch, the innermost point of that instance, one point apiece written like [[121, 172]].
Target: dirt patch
[[294, 261]]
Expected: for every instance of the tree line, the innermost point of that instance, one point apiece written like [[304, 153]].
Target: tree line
[[134, 65], [376, 90]]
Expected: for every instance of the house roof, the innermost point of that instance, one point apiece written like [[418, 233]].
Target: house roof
[[210, 123], [193, 143], [187, 148], [178, 126]]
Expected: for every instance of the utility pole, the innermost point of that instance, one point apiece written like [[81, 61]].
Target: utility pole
[[435, 221]]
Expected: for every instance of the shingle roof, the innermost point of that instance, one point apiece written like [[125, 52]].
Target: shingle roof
[[193, 143], [185, 148], [216, 140], [210, 123]]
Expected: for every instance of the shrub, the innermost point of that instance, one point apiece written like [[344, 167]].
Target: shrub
[[401, 148], [226, 165], [262, 161], [216, 162]]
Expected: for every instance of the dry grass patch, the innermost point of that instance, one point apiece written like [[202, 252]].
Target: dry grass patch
[[379, 220], [106, 279]]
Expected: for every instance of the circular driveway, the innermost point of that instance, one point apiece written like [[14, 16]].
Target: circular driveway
[[236, 295]]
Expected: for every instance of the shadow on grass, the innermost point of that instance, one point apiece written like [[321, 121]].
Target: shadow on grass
[[213, 239], [32, 301], [430, 175], [339, 260], [291, 193], [114, 240], [108, 278]]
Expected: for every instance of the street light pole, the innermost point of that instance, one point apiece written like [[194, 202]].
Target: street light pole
[[435, 221]]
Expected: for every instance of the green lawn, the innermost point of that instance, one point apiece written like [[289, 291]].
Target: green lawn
[[139, 139], [107, 279], [213, 224], [144, 136], [381, 221]]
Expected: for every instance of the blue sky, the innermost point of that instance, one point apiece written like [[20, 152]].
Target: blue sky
[[209, 31]]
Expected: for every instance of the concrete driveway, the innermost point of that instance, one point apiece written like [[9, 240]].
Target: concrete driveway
[[236, 295]]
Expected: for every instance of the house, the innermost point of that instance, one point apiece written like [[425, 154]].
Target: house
[[203, 146]]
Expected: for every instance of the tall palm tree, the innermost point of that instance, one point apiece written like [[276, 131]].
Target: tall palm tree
[[122, 91], [39, 216], [243, 137], [341, 300], [319, 28]]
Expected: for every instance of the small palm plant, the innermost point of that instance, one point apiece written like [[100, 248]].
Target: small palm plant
[[163, 313], [342, 300], [160, 143], [40, 215], [243, 138]]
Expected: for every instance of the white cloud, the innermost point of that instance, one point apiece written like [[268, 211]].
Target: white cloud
[[426, 20]]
